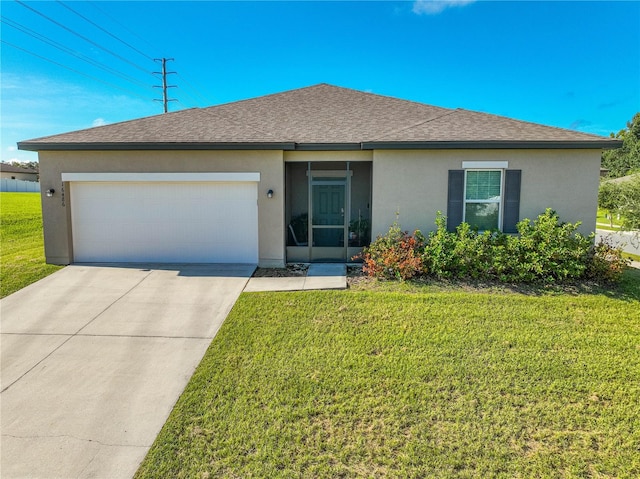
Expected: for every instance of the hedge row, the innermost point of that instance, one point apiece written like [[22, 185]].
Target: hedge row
[[546, 250]]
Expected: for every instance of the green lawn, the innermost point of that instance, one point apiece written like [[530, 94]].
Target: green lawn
[[410, 380], [22, 246], [605, 223]]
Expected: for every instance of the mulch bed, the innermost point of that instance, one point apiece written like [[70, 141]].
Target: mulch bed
[[291, 270], [354, 272]]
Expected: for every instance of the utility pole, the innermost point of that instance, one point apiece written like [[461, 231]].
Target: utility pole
[[165, 100]]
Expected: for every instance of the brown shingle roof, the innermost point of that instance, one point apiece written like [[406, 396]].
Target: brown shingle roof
[[320, 116], [623, 179]]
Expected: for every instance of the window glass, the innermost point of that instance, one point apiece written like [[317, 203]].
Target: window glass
[[483, 216], [483, 185], [482, 199]]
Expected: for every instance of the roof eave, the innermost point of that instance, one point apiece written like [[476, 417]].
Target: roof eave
[[328, 146], [367, 145], [56, 146], [490, 144]]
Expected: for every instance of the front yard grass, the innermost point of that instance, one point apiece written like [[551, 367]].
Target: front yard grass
[[414, 380], [22, 257]]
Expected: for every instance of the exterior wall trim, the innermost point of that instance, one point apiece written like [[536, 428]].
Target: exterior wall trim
[[501, 165], [162, 177]]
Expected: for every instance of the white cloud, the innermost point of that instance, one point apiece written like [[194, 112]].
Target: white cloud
[[433, 7], [99, 122], [12, 148]]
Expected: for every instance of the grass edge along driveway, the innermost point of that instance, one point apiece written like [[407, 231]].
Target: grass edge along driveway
[[22, 259], [413, 384]]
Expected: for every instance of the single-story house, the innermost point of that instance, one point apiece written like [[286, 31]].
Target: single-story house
[[305, 175], [623, 179], [12, 172]]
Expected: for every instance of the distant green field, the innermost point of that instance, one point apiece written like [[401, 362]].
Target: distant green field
[[602, 219], [21, 242]]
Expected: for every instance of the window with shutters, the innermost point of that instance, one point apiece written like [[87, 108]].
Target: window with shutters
[[483, 199], [484, 194]]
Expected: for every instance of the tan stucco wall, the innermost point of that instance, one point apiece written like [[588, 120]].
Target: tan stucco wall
[[414, 184], [410, 182], [270, 165]]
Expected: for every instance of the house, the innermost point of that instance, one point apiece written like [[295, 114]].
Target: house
[[304, 175], [623, 179], [17, 173]]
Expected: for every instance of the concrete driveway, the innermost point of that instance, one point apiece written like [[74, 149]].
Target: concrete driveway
[[94, 357]]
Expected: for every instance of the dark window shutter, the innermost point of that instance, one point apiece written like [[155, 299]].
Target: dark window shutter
[[455, 199], [511, 217]]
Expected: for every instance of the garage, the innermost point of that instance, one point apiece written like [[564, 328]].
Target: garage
[[164, 218]]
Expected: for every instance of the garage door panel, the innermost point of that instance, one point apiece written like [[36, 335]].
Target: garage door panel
[[164, 222]]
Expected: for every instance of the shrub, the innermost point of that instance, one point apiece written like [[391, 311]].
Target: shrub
[[546, 250], [438, 256], [395, 255], [462, 254], [606, 262], [550, 251]]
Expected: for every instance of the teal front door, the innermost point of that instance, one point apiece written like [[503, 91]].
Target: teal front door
[[328, 220]]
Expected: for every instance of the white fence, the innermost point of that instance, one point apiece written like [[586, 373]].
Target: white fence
[[19, 186]]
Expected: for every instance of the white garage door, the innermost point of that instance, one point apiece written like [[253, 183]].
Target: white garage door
[[165, 222]]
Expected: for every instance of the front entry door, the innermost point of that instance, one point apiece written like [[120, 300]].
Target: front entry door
[[328, 220]]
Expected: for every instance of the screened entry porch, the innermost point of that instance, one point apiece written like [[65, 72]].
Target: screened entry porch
[[328, 210]]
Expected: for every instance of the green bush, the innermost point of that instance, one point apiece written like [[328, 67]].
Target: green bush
[[546, 250], [549, 250], [462, 254], [438, 253], [606, 262]]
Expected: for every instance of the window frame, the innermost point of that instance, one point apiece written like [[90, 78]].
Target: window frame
[[500, 201]]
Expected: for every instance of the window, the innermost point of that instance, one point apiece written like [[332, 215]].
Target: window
[[483, 198], [484, 194]]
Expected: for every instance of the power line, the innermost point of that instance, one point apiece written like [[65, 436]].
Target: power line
[[69, 51], [195, 90], [104, 30], [198, 99], [194, 101], [114, 20], [74, 70], [95, 63], [82, 36]]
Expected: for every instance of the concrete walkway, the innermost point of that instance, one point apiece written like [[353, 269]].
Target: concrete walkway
[[628, 240], [94, 359], [319, 276]]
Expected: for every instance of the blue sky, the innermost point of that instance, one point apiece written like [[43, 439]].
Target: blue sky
[[568, 64]]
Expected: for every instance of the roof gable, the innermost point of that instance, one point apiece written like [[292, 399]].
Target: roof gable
[[323, 116]]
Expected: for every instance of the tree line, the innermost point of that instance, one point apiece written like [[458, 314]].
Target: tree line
[[622, 197]]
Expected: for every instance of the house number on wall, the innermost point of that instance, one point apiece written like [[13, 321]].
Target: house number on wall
[[62, 193]]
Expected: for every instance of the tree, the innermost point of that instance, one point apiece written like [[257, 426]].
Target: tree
[[626, 159], [30, 165], [629, 203], [609, 198]]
